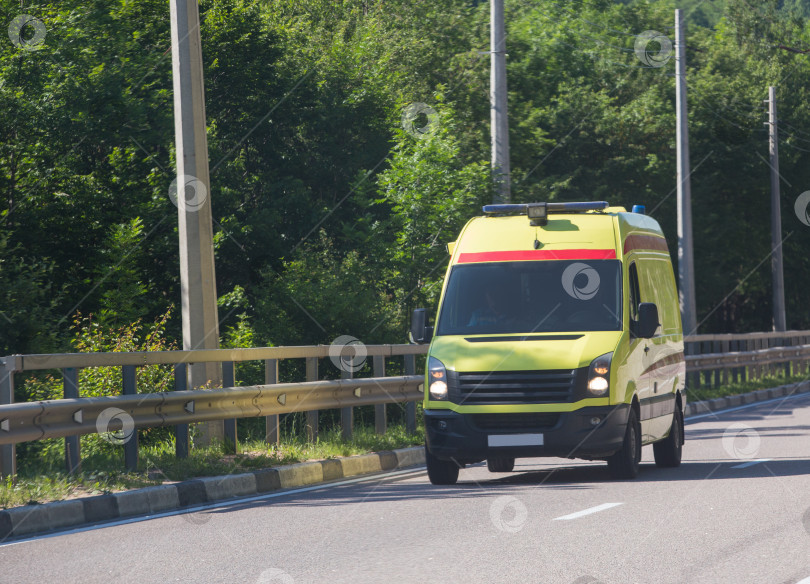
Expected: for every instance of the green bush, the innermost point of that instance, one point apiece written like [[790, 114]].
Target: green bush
[[90, 336]]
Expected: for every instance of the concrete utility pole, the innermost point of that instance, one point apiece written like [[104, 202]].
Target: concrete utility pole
[[686, 266], [197, 282], [497, 96], [777, 274]]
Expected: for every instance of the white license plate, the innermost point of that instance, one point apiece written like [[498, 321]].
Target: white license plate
[[515, 439]]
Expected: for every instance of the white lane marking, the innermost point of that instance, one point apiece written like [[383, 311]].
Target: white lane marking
[[689, 419], [751, 463], [805, 581], [218, 504], [584, 512]]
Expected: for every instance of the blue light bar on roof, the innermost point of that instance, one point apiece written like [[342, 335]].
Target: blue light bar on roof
[[550, 207]]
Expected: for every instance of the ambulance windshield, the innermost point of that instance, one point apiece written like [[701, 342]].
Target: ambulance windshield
[[532, 297]]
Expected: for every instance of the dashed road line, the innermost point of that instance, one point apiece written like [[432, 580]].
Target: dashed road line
[[751, 463], [584, 512]]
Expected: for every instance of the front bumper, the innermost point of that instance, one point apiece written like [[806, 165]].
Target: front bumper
[[464, 437]]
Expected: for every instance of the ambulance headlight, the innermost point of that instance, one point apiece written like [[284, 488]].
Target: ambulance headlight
[[599, 375], [437, 379]]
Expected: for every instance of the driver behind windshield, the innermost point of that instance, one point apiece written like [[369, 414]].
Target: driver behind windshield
[[497, 307]]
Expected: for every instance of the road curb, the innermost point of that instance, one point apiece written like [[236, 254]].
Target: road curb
[[733, 401], [53, 517]]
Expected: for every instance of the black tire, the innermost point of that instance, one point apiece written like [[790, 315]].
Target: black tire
[[440, 472], [500, 464], [624, 463], [668, 451]]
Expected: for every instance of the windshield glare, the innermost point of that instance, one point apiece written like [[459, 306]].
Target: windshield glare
[[532, 296]]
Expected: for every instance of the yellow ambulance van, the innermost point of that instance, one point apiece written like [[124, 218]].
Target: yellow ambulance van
[[558, 333]]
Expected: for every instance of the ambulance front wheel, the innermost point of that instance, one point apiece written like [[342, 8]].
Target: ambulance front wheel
[[440, 472], [624, 464], [500, 464]]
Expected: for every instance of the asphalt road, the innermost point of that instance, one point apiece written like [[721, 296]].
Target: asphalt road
[[736, 511]]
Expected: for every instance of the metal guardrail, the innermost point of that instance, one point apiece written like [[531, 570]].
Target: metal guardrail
[[83, 360], [714, 361], [703, 374], [720, 337], [75, 416], [72, 417]]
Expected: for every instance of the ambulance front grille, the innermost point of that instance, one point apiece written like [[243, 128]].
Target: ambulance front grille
[[512, 423], [511, 387]]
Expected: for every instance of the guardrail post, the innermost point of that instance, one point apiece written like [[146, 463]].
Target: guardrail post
[[692, 378], [70, 389], [346, 414], [380, 423], [8, 453], [735, 371], [180, 430], [131, 445], [725, 348], [750, 345], [770, 368], [410, 407], [312, 417], [272, 431], [761, 369], [229, 380]]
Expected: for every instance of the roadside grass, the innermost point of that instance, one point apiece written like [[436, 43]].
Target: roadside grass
[[43, 479]]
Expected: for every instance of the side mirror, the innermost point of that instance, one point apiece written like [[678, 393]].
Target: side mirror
[[420, 332], [647, 320]]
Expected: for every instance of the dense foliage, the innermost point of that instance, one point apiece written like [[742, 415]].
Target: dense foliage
[[331, 215]]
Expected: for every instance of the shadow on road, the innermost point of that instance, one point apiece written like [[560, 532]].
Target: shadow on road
[[586, 476], [763, 411], [575, 475]]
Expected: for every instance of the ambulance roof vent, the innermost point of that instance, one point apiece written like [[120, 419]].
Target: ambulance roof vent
[[538, 212]]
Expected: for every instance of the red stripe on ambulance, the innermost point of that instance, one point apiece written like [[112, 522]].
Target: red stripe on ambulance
[[537, 254]]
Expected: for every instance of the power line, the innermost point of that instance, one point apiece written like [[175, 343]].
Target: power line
[[720, 117], [794, 128], [796, 137], [751, 114], [789, 145], [595, 23]]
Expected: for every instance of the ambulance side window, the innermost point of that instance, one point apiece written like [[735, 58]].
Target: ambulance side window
[[635, 296]]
